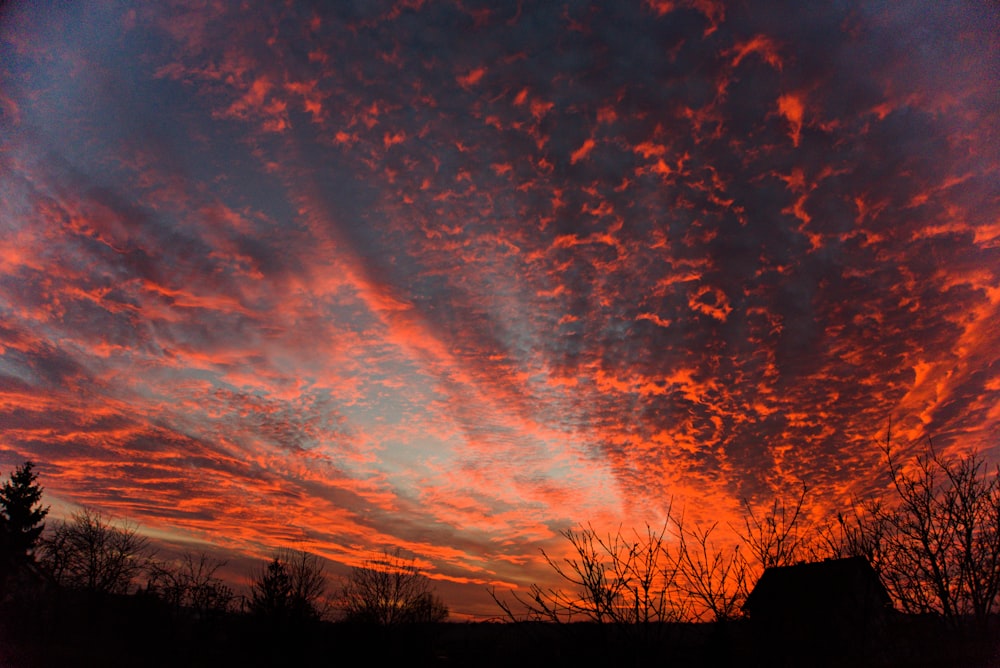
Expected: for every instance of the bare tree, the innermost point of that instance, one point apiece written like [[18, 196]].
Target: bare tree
[[935, 543], [309, 582], [291, 585], [191, 583], [618, 578], [425, 608], [389, 589], [943, 535], [863, 532], [639, 578], [773, 537], [714, 578], [92, 553]]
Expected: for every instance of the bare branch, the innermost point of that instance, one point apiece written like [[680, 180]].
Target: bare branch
[[89, 552], [389, 589], [773, 538], [714, 579], [621, 578]]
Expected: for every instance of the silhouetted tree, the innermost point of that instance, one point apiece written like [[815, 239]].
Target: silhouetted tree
[[935, 543], [714, 578], [21, 514], [773, 537], [943, 535], [618, 578], [389, 589], [641, 578], [91, 553], [271, 590], [190, 582], [425, 608], [309, 585], [862, 532], [292, 585]]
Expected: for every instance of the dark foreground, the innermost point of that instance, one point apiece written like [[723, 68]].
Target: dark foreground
[[70, 629]]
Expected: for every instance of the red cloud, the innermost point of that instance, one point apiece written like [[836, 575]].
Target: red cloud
[[471, 78]]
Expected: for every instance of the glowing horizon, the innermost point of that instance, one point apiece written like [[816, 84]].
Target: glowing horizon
[[453, 279]]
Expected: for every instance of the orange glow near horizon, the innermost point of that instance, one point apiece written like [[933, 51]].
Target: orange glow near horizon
[[417, 275]]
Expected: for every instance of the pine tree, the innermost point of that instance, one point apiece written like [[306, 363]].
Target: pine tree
[[271, 591], [21, 513], [292, 587]]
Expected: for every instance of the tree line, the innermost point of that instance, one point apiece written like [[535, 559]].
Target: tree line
[[934, 542], [92, 554]]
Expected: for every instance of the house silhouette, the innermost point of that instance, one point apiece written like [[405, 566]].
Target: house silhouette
[[819, 613]]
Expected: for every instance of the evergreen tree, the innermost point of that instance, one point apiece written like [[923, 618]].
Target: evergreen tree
[[292, 586], [271, 591], [21, 513]]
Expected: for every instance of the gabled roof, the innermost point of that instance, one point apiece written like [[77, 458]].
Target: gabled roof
[[843, 584]]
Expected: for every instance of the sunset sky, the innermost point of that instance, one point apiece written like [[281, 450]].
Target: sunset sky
[[454, 276]]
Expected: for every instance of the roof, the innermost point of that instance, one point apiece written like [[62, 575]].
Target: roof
[[840, 584]]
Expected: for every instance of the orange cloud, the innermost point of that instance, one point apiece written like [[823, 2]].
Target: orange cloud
[[471, 78], [760, 45], [792, 108], [582, 152]]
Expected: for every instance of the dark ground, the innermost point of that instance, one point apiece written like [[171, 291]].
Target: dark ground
[[66, 628]]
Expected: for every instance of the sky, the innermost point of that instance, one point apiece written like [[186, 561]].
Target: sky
[[455, 276]]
